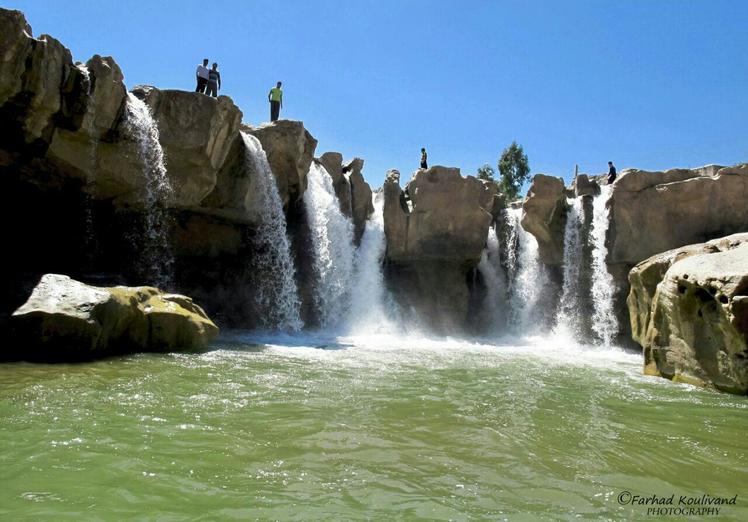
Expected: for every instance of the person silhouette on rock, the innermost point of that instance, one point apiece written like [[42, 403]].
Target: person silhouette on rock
[[214, 81], [611, 173], [202, 76], [275, 97], [424, 162]]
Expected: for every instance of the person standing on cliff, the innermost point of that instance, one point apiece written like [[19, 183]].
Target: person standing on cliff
[[202, 76], [611, 173], [424, 162], [214, 81], [275, 97]]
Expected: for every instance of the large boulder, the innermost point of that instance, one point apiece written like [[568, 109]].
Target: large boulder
[[436, 230], [290, 150], [693, 322], [66, 320], [196, 133], [544, 216]]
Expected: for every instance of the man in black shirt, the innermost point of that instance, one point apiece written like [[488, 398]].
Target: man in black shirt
[[214, 81], [611, 173]]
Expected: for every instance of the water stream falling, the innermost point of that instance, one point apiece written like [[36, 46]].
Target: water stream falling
[[332, 239], [496, 286], [604, 322], [276, 294], [157, 259], [528, 279], [370, 302], [567, 318]]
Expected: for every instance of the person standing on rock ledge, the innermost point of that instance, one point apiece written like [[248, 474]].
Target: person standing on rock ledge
[[275, 97], [214, 81], [611, 173], [424, 163], [202, 76]]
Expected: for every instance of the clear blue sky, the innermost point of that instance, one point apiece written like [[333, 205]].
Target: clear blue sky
[[647, 83]]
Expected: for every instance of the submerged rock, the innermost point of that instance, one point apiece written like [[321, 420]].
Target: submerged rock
[[689, 311], [65, 320]]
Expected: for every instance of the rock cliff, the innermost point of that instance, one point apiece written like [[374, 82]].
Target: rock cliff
[[689, 311], [436, 229]]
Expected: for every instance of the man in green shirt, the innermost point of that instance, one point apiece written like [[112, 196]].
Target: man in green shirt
[[275, 97]]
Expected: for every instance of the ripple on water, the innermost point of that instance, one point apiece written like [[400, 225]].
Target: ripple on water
[[342, 427]]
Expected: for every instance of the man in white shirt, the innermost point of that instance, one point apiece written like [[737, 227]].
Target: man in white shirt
[[202, 76]]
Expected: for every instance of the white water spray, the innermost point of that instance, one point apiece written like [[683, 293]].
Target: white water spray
[[528, 278], [604, 322], [493, 276], [157, 256], [332, 239], [276, 293], [370, 309], [567, 318]]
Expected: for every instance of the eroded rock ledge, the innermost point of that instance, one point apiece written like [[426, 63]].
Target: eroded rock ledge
[[689, 311], [436, 229]]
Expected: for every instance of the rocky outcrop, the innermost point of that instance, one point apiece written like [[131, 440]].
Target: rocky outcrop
[[361, 202], [333, 164], [196, 133], [436, 230], [65, 320], [583, 185], [689, 311], [352, 190], [544, 216], [290, 150], [651, 212]]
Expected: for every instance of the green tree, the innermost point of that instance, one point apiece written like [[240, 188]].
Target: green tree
[[486, 172], [514, 170]]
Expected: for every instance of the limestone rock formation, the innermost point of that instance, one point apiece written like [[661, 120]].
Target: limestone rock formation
[[361, 203], [689, 311], [196, 133], [583, 185], [436, 230], [333, 164], [65, 320], [290, 150], [544, 216], [652, 212]]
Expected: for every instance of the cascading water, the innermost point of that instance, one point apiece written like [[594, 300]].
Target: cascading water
[[368, 312], [276, 294], [332, 239], [567, 318], [157, 259], [528, 278], [604, 322], [495, 281]]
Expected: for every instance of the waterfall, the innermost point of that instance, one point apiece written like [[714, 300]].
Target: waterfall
[[156, 260], [528, 279], [604, 322], [276, 292], [370, 309], [332, 238], [495, 281], [567, 318]]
